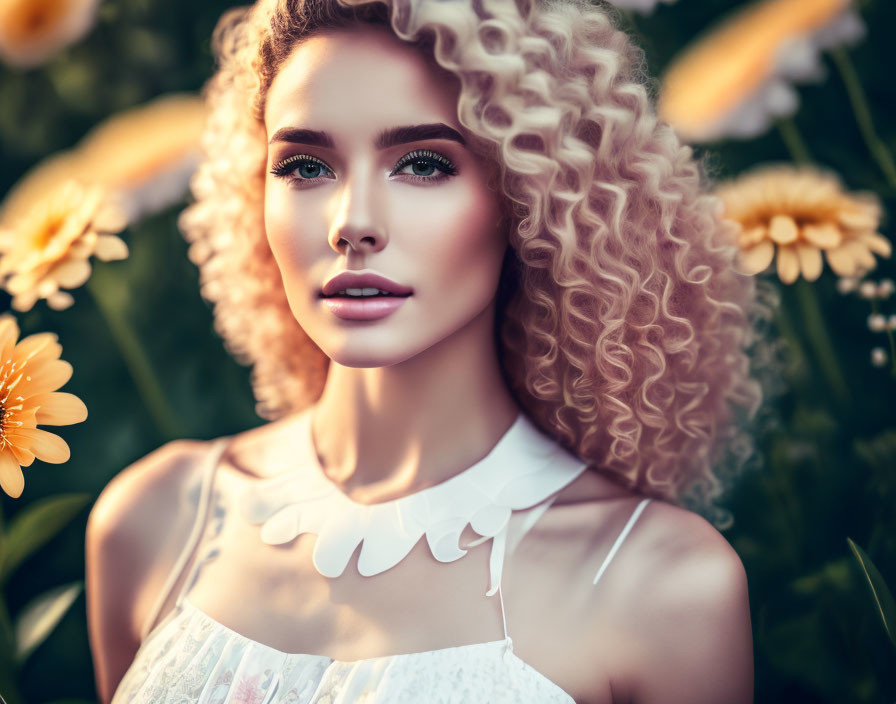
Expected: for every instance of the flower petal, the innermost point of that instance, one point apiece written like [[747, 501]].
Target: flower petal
[[841, 260], [864, 258], [752, 236], [45, 446], [111, 217], [12, 481], [71, 273], [757, 259], [857, 219], [41, 345], [825, 235], [788, 265], [59, 408], [783, 230], [110, 247], [46, 376], [876, 242], [25, 301], [23, 456], [810, 259], [47, 288], [60, 300], [9, 334]]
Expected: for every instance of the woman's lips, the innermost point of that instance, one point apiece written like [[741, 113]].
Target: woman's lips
[[371, 308]]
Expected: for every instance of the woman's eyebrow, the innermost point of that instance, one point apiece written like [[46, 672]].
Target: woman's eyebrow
[[386, 139]]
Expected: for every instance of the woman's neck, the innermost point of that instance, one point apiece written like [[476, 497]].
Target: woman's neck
[[384, 432]]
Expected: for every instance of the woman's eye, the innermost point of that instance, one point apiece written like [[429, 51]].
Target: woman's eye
[[300, 168], [425, 166], [422, 166]]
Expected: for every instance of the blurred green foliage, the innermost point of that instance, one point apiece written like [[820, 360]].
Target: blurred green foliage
[[828, 465]]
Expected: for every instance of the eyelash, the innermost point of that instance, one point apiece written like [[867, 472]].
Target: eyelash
[[285, 168]]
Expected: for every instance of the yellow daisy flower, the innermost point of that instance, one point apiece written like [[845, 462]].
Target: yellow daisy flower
[[802, 212], [31, 31], [48, 249], [30, 373]]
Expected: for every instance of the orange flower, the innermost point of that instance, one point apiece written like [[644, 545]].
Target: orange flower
[[145, 155], [803, 211], [735, 80], [49, 248], [30, 373], [31, 31]]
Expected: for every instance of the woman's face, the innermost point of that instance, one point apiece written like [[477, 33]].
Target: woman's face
[[368, 174]]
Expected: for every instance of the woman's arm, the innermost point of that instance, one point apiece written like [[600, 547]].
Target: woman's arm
[[697, 620], [127, 529]]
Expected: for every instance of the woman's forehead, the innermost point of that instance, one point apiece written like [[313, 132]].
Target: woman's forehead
[[359, 77]]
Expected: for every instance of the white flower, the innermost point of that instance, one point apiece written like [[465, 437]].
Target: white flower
[[878, 356], [847, 284], [877, 322], [868, 290]]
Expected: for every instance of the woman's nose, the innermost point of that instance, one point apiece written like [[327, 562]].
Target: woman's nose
[[357, 222]]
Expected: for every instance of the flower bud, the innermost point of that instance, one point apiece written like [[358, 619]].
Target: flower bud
[[868, 290], [877, 322]]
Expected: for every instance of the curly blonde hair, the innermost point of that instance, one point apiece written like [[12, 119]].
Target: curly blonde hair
[[623, 327]]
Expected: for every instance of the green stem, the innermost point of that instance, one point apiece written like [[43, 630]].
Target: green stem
[[792, 139], [817, 333], [814, 322], [788, 333], [135, 359], [862, 112]]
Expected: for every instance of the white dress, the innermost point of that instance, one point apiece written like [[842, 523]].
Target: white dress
[[190, 658]]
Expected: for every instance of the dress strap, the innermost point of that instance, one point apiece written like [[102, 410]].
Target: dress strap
[[504, 544], [206, 485], [625, 531]]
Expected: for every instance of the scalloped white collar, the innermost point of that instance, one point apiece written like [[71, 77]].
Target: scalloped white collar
[[523, 469]]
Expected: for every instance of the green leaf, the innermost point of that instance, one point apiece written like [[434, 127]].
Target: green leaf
[[40, 616], [9, 688], [883, 599], [35, 525]]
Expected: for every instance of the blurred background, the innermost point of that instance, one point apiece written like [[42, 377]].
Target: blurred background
[[106, 92]]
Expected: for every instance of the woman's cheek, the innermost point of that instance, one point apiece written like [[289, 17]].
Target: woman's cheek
[[287, 232], [468, 241]]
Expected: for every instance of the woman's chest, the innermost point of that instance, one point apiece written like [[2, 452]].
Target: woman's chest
[[274, 595]]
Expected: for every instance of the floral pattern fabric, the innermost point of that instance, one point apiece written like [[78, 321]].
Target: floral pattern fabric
[[192, 659]]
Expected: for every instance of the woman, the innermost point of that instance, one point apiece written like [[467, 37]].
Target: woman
[[487, 302]]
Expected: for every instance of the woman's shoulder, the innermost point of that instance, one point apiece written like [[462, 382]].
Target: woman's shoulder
[[136, 493], [689, 611], [662, 534], [124, 542], [674, 581]]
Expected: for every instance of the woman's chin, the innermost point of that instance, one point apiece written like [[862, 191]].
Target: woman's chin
[[364, 356]]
